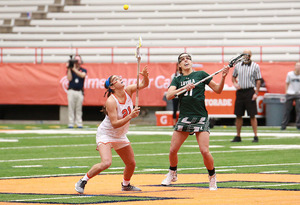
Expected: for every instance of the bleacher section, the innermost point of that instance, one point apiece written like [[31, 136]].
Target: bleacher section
[[61, 25]]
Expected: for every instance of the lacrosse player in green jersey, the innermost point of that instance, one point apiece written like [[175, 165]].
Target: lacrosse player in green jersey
[[193, 117]]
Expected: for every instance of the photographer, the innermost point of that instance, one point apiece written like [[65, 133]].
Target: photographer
[[76, 75]]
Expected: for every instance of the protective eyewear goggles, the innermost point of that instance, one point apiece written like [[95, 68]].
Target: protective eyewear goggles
[[184, 56]]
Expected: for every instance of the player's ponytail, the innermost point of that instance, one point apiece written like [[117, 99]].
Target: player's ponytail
[[109, 91], [104, 110], [107, 85]]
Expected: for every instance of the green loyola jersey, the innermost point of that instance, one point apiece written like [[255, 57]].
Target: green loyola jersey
[[192, 103]]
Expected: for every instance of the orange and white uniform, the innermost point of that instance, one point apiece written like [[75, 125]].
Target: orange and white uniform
[[115, 136]]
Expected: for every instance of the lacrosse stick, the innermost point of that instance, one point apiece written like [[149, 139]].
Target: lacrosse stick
[[232, 62], [138, 56]]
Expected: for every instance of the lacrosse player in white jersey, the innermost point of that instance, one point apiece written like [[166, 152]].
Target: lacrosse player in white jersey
[[112, 131]]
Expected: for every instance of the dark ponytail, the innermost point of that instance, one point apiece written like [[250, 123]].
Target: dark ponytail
[[109, 91], [107, 85]]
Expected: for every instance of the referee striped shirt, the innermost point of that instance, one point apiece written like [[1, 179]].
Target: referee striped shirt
[[247, 74]]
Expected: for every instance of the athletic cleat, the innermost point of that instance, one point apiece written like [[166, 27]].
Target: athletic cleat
[[79, 186], [130, 188], [236, 139], [171, 177], [212, 182], [255, 139]]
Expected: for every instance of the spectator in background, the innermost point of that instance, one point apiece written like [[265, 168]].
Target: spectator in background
[[292, 89], [175, 100], [76, 75], [246, 76]]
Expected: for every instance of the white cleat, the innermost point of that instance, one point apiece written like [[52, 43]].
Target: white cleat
[[171, 177], [212, 182], [79, 186]]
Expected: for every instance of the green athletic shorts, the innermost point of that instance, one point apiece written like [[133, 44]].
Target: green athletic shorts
[[192, 124]]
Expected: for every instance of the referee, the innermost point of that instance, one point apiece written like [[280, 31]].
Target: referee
[[246, 78]]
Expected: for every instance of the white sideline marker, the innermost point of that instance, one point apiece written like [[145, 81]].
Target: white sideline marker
[[38, 199], [277, 147], [9, 140], [271, 172], [73, 167], [27, 166], [210, 146], [117, 168], [93, 132]]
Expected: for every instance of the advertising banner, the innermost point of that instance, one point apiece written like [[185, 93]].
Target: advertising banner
[[46, 84]]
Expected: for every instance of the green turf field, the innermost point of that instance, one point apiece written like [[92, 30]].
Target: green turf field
[[51, 150], [32, 151]]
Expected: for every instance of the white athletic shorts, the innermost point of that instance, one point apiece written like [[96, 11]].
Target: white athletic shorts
[[115, 142], [115, 145]]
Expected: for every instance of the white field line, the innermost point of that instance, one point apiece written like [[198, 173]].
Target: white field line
[[38, 199], [229, 167], [136, 155], [261, 165], [154, 170], [46, 175], [47, 146], [8, 140], [85, 145], [266, 185], [46, 159], [196, 146], [244, 135], [73, 167], [133, 143], [48, 131], [54, 137], [278, 147], [226, 170], [213, 133], [81, 132], [271, 172], [116, 168], [80, 145], [143, 155], [184, 169], [27, 166]]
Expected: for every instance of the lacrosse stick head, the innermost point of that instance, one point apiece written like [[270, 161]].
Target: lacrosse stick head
[[138, 46], [235, 60]]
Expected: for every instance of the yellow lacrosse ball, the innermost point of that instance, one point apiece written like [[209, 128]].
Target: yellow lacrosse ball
[[125, 7]]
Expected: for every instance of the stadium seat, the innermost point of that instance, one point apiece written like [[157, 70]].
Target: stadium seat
[[163, 23]]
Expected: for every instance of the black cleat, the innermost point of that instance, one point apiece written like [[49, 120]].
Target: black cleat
[[255, 139], [236, 139]]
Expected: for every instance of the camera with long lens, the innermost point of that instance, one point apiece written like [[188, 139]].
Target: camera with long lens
[[72, 61]]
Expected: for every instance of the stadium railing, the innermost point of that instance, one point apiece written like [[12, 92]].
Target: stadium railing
[[149, 54]]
